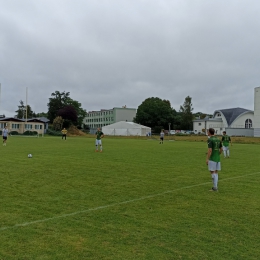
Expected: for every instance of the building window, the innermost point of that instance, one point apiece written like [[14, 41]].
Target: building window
[[27, 126], [248, 123], [15, 126], [38, 126], [199, 123]]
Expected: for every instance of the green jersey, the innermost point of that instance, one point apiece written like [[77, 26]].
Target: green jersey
[[226, 140], [99, 134], [215, 144]]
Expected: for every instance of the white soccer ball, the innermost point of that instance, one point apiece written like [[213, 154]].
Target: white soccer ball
[[29, 155]]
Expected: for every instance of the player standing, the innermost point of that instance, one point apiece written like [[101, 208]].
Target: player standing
[[99, 135], [64, 133], [5, 134], [161, 136], [226, 141], [213, 157]]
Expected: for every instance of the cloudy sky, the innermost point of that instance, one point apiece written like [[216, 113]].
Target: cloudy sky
[[111, 53]]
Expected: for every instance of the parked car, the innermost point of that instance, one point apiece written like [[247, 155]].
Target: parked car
[[172, 132]]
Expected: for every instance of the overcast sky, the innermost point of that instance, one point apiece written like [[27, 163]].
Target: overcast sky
[[111, 53]]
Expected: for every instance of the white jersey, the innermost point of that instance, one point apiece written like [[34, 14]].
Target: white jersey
[[5, 132]]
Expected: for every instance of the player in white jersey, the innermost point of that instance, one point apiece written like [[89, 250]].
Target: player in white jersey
[[161, 136], [5, 134]]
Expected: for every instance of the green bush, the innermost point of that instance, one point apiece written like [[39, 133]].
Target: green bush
[[30, 133], [14, 133], [53, 132]]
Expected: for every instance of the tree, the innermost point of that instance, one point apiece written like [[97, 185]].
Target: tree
[[57, 123], [186, 114], [69, 114], [57, 102], [42, 114], [155, 113], [60, 100], [21, 112]]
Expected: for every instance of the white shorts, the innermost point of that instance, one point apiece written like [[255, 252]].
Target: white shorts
[[214, 166], [225, 148], [98, 142]]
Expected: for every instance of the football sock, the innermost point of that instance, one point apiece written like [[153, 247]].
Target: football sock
[[215, 180], [228, 153], [225, 153]]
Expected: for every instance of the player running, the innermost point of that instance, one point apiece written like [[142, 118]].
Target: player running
[[99, 135], [226, 141]]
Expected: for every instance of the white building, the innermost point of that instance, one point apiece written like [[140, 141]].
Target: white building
[[95, 119], [235, 121]]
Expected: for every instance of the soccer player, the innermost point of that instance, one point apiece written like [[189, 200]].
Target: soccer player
[[99, 135], [5, 134], [161, 136], [226, 141], [213, 157], [64, 133]]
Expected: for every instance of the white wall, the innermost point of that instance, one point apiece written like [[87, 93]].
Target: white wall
[[257, 112], [199, 125], [124, 114], [240, 121]]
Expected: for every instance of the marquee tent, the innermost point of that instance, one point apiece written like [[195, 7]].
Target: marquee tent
[[125, 128]]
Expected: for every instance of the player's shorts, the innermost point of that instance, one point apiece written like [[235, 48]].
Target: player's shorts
[[5, 137], [161, 138], [98, 142], [225, 148], [214, 166]]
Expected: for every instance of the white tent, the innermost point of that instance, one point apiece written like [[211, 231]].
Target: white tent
[[126, 129]]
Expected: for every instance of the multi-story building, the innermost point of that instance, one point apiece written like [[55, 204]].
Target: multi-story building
[[95, 119]]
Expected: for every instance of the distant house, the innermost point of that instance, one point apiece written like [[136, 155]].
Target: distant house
[[235, 121], [40, 125]]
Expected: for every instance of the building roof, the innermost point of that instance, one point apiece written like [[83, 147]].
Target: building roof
[[125, 124], [14, 119], [231, 114]]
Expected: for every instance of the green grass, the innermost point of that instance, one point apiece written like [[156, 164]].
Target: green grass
[[136, 200]]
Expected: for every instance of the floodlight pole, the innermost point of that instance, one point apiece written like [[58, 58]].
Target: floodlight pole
[[169, 128], [0, 97]]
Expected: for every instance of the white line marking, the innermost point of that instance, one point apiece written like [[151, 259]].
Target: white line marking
[[118, 203]]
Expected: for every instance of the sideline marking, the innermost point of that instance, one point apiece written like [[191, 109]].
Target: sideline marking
[[118, 203]]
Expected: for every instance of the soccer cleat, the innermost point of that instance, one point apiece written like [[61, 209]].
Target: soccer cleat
[[101, 151], [213, 189], [96, 151]]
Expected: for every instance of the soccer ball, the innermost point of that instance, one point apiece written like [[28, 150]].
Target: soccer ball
[[29, 155]]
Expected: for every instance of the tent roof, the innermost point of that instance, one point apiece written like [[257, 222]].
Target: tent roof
[[125, 125]]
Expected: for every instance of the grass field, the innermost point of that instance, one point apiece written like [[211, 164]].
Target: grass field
[[136, 200]]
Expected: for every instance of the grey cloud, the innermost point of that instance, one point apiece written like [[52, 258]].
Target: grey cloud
[[114, 53]]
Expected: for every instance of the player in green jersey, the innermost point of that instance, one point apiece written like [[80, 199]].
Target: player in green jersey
[[99, 135], [226, 140], [213, 157]]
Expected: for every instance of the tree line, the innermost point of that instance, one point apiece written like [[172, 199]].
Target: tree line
[[158, 114], [153, 112], [63, 111]]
